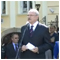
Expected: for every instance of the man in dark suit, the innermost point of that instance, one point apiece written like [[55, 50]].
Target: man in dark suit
[[11, 49], [36, 34]]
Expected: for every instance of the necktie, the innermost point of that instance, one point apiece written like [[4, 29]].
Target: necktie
[[16, 47], [31, 31]]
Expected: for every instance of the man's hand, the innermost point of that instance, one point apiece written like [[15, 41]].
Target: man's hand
[[53, 39], [35, 50], [23, 48]]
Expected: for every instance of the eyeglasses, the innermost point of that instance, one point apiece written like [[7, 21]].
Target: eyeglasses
[[31, 15], [16, 38]]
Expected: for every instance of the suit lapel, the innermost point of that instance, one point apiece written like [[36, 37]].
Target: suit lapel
[[36, 30], [28, 32], [13, 50]]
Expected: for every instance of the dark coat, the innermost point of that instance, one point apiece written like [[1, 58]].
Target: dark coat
[[10, 52], [40, 39], [3, 52]]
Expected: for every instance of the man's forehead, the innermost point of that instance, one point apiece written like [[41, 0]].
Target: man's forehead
[[15, 35]]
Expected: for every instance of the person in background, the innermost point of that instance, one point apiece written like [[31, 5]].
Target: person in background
[[11, 49], [36, 36], [56, 50], [53, 36], [2, 51], [6, 40], [58, 32]]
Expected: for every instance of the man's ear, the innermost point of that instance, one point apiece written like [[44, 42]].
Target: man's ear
[[37, 17], [11, 39]]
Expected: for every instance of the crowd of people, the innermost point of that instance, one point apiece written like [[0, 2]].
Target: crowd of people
[[35, 40]]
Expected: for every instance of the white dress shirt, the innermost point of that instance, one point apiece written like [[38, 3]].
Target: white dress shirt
[[14, 46], [34, 25]]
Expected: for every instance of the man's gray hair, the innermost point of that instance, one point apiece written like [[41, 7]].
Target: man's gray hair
[[34, 10]]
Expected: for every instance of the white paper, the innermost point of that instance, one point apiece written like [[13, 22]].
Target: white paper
[[30, 46]]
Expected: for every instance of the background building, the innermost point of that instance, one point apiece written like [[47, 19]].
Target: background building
[[14, 13]]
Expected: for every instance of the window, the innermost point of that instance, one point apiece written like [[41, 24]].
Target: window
[[3, 7], [25, 6]]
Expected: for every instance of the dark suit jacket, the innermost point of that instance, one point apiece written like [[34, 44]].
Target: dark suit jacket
[[40, 39], [10, 52], [3, 52]]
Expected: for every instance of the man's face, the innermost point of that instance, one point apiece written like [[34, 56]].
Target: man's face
[[15, 38], [32, 17]]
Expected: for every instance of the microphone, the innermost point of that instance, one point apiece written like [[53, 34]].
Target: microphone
[[20, 44]]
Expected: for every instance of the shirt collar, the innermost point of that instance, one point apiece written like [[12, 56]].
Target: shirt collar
[[34, 25], [14, 45]]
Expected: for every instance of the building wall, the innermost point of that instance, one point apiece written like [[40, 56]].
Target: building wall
[[13, 19], [55, 6], [6, 18], [20, 18]]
